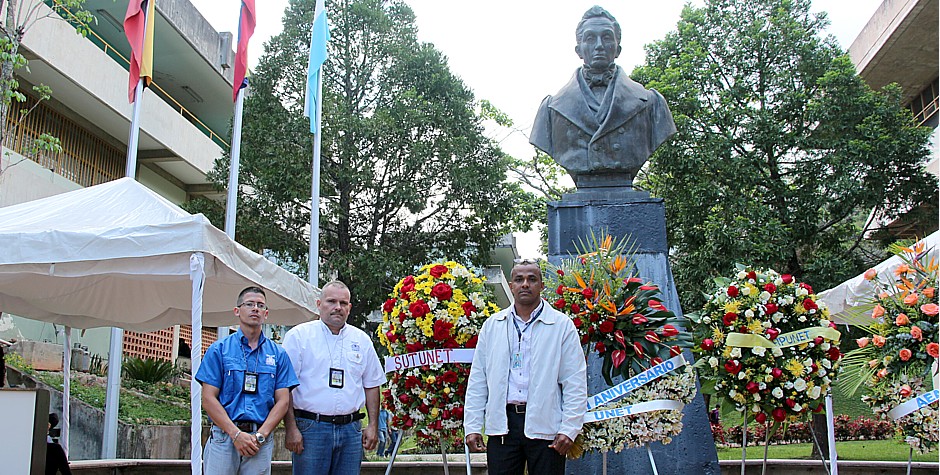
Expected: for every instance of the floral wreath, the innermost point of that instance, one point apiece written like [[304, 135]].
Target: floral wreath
[[767, 345], [894, 362], [442, 306], [622, 319]]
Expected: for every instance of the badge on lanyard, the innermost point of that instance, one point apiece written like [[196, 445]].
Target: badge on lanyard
[[516, 360], [251, 383], [336, 378]]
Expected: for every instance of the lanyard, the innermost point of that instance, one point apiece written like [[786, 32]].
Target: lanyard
[[532, 319], [248, 351]]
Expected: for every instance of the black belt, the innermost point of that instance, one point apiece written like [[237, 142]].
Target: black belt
[[515, 408], [245, 426], [338, 420]]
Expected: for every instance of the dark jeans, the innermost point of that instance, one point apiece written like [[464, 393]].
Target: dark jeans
[[509, 454]]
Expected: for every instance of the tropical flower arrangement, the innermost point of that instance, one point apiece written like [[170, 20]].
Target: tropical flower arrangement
[[766, 345], [902, 349], [622, 318], [442, 306]]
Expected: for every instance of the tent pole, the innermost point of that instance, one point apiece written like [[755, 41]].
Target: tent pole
[[66, 387], [109, 441], [197, 275]]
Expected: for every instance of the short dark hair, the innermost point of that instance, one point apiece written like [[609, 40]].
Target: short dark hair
[[596, 12], [525, 263], [249, 290]]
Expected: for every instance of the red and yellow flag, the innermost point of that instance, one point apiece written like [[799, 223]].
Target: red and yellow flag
[[138, 26]]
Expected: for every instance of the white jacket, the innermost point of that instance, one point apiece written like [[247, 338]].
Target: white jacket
[[557, 397]]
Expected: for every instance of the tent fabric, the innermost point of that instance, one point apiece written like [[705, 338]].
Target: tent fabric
[[118, 254], [856, 292]]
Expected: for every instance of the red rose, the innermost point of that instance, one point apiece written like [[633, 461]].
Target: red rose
[[388, 306], [770, 308], [472, 342], [752, 275], [595, 317], [776, 373], [770, 287], [607, 326], [442, 291], [669, 330], [760, 417], [560, 290], [772, 333], [449, 376], [786, 278], [600, 347], [438, 270], [732, 291], [752, 387], [411, 382], [407, 285], [818, 340], [391, 336], [424, 408], [560, 304], [587, 293], [729, 318], [577, 322], [468, 308], [707, 344], [419, 309], [585, 338], [806, 286], [414, 347], [790, 403], [442, 330], [733, 366], [809, 304], [458, 412], [779, 414], [639, 319], [404, 398], [575, 308]]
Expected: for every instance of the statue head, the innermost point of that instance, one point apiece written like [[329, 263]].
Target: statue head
[[598, 35]]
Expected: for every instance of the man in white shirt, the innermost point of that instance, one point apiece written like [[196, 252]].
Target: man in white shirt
[[528, 383], [339, 372]]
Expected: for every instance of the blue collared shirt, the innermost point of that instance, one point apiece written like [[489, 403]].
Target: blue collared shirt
[[224, 367]]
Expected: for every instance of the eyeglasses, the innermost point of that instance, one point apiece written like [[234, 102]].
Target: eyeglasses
[[526, 261], [250, 305]]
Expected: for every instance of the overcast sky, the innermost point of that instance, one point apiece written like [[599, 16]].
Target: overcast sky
[[515, 52]]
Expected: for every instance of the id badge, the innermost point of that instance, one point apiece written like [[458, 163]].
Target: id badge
[[516, 361], [251, 383], [336, 378]]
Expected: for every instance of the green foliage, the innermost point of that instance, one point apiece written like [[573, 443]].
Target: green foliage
[[407, 175], [18, 362], [148, 370], [782, 150]]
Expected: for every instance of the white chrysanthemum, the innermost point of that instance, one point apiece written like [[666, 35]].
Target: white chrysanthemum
[[777, 393]]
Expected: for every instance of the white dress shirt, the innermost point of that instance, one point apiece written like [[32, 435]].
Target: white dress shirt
[[314, 349], [518, 392]]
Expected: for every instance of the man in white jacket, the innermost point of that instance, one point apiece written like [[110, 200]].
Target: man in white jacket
[[528, 386]]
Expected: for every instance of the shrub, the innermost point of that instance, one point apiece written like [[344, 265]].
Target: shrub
[[148, 370]]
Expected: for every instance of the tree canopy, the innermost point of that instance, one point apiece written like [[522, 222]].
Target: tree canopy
[[783, 152], [407, 174]]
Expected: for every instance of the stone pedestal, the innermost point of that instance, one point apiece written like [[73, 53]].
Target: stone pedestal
[[641, 219]]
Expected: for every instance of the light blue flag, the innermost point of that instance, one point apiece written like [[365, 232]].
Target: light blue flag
[[320, 34]]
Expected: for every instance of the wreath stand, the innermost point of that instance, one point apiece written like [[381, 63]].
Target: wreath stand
[[466, 451]]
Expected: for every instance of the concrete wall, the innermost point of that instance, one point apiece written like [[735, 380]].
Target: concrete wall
[[24, 180], [184, 17]]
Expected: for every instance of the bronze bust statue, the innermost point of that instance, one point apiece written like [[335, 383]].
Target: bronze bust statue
[[601, 126]]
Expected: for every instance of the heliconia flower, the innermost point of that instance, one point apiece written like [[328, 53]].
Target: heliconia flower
[[901, 320], [929, 309], [862, 342], [901, 270], [878, 311], [904, 354], [878, 340], [870, 274], [911, 299]]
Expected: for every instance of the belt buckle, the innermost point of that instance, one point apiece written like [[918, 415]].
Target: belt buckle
[[519, 408]]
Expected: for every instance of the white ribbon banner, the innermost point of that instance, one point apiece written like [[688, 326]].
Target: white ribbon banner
[[649, 406], [428, 357], [912, 405], [625, 387]]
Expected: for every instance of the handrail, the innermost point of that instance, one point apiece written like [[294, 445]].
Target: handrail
[[124, 62]]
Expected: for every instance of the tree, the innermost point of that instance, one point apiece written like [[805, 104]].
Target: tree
[[407, 175], [16, 18], [782, 151]]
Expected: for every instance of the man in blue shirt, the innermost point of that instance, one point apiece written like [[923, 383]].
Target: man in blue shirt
[[246, 382]]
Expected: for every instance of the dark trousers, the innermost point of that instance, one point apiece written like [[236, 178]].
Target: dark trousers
[[509, 454]]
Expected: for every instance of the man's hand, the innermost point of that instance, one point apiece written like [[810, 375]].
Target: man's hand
[[293, 439], [475, 442], [562, 444], [370, 436], [246, 444]]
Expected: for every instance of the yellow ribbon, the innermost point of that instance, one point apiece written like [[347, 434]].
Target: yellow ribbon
[[750, 340]]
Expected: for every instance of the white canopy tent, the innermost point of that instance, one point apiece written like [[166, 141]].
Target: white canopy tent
[[120, 255]]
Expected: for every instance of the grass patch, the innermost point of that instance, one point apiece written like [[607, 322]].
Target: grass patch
[[882, 450]]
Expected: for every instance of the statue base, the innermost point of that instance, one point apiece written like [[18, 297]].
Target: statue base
[[625, 213]]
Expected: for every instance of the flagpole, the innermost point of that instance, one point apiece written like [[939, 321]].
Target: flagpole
[[131, 170], [314, 257], [231, 202]]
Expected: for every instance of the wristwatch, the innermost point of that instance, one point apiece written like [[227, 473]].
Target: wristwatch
[[260, 437]]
